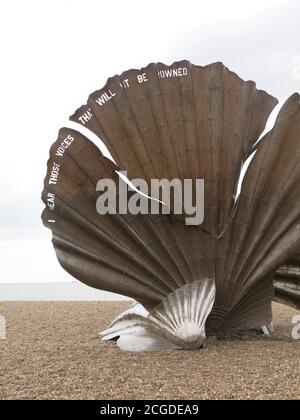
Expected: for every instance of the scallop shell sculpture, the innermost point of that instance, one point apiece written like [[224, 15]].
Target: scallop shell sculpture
[[191, 282]]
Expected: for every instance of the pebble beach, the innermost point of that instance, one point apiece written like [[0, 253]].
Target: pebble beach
[[52, 351]]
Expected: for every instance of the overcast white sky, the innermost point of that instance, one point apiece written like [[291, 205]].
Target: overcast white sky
[[55, 53]]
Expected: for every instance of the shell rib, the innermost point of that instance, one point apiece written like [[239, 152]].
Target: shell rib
[[177, 323]]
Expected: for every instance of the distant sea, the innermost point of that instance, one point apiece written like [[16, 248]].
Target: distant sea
[[53, 291]]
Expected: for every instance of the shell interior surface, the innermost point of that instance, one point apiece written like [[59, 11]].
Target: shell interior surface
[[181, 122]]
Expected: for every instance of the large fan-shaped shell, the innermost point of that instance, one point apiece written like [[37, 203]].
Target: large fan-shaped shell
[[182, 121]]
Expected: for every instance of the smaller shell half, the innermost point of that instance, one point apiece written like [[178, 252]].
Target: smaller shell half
[[177, 323]]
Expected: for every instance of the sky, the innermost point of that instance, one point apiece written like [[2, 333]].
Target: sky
[[55, 53]]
